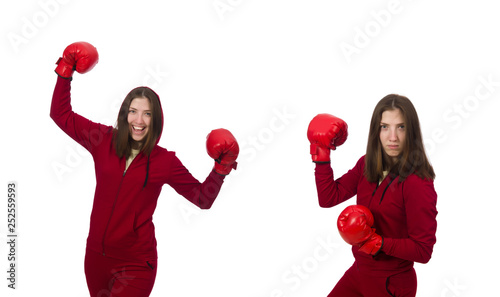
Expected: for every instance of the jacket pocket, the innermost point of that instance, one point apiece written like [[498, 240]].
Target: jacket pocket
[[123, 234], [402, 284], [151, 264]]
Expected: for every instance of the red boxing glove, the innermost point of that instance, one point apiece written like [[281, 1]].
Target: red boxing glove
[[355, 227], [373, 245], [325, 133], [354, 224], [224, 149], [79, 56]]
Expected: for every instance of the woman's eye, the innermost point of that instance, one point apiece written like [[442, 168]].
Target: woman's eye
[[131, 111], [148, 114]]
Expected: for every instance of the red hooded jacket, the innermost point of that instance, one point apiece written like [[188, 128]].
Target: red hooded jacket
[[121, 223], [404, 214]]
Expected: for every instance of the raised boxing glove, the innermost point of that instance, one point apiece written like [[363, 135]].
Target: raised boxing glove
[[355, 227], [224, 149], [80, 56], [325, 133]]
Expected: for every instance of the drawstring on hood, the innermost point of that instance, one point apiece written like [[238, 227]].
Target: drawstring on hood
[[147, 174]]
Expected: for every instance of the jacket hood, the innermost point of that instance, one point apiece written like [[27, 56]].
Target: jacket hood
[[162, 116]]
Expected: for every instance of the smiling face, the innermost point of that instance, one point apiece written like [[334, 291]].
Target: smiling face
[[392, 132], [139, 118]]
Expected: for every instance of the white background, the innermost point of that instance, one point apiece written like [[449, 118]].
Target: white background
[[261, 69]]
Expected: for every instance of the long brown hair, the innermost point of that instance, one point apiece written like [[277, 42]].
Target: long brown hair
[[122, 139], [412, 159]]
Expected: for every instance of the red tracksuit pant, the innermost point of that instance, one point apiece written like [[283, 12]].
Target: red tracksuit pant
[[356, 284], [109, 277]]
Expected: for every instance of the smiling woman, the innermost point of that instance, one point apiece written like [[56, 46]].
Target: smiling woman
[[131, 169], [139, 118], [140, 108]]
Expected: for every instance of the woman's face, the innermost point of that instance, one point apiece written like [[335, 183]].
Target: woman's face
[[139, 118], [392, 132]]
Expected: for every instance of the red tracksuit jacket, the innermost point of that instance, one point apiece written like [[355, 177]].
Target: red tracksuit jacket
[[121, 223], [404, 214]]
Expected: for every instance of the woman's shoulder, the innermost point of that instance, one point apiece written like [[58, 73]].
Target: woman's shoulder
[[159, 151], [100, 133], [417, 184], [361, 162], [415, 179]]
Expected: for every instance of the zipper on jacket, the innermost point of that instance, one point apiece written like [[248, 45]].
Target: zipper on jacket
[[111, 214]]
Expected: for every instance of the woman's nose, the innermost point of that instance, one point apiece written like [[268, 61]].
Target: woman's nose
[[139, 120], [393, 135]]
